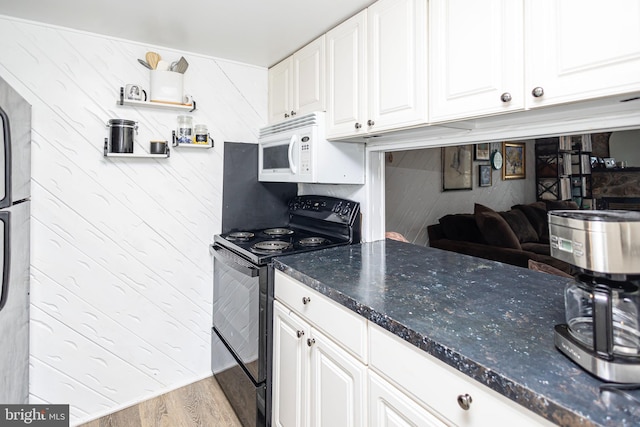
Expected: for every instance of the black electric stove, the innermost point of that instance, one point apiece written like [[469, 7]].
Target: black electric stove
[[243, 287], [315, 222]]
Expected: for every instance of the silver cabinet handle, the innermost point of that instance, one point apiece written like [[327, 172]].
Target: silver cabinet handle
[[311, 341], [306, 300], [286, 115], [464, 401], [370, 122], [293, 113], [300, 334], [505, 97], [358, 125], [537, 92]]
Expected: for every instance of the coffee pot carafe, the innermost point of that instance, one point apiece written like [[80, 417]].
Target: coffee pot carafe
[[602, 304]]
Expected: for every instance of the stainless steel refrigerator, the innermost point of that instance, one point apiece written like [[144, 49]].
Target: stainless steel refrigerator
[[15, 192]]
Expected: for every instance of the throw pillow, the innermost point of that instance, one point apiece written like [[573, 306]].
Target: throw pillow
[[520, 225], [477, 208], [496, 231], [536, 213]]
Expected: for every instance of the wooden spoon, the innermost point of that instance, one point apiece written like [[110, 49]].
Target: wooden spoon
[[152, 58]]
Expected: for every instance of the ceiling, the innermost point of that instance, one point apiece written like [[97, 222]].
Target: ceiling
[[258, 32]]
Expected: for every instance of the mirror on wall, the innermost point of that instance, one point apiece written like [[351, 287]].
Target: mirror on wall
[[624, 146]]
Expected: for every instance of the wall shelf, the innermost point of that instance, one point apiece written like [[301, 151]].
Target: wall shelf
[[175, 142], [134, 155], [151, 104]]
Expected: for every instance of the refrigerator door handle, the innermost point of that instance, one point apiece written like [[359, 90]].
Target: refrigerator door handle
[[5, 198], [5, 217]]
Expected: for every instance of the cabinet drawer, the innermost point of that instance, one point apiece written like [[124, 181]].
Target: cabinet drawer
[[438, 385], [344, 326]]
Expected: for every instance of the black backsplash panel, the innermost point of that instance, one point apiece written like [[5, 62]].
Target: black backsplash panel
[[246, 203]]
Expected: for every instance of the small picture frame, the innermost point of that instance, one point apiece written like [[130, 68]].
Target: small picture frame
[[482, 151], [514, 157], [484, 175], [456, 167]]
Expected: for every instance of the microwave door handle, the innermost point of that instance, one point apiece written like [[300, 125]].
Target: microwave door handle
[[292, 166]]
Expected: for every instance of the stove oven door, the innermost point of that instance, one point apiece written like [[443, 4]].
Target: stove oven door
[[240, 299]]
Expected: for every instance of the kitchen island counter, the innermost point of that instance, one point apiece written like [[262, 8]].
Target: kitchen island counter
[[491, 321]]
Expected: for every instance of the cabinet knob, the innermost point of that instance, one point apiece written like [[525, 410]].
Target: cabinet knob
[[311, 341], [464, 401], [306, 300], [293, 113], [505, 97], [299, 334], [370, 122], [286, 115], [358, 125], [537, 92]]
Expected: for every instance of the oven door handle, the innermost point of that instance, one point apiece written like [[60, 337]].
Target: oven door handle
[[231, 260]]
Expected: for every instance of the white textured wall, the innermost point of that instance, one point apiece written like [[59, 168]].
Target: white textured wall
[[414, 196], [121, 283]]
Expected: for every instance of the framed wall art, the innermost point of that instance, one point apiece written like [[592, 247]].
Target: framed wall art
[[482, 151], [456, 168], [484, 175], [513, 154]]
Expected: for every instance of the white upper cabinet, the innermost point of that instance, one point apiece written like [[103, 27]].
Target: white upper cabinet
[[347, 77], [581, 49], [476, 55], [297, 84], [377, 68], [397, 64]]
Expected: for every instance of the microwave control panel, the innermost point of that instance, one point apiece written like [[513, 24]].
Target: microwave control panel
[[305, 155]]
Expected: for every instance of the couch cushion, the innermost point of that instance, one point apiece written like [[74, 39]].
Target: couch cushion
[[536, 213], [461, 227], [537, 248], [520, 225], [496, 231]]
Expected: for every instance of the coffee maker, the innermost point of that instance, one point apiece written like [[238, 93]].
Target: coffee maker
[[602, 304]]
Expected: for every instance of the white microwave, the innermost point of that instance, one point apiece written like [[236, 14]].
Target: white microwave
[[297, 151]]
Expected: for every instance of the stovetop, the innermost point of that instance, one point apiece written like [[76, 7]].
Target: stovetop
[[315, 222]]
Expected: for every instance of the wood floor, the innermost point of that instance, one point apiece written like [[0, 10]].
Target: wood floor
[[201, 404]]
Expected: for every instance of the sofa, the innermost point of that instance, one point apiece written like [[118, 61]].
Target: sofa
[[513, 237]]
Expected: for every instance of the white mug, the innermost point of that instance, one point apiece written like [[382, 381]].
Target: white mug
[[135, 92]]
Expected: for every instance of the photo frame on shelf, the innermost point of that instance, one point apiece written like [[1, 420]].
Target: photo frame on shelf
[[514, 157], [482, 151], [456, 168], [484, 175]]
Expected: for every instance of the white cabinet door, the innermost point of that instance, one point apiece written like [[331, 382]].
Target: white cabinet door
[[397, 64], [346, 77], [309, 78], [290, 369], [476, 55], [337, 385], [581, 49], [280, 90], [389, 407], [297, 84]]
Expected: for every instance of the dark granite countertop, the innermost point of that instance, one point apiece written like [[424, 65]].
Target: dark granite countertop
[[492, 321]]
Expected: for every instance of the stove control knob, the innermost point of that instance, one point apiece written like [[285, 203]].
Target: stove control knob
[[464, 401], [345, 211]]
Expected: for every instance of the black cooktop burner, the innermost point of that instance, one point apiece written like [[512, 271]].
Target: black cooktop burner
[[270, 246], [273, 232], [240, 235], [313, 241]]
